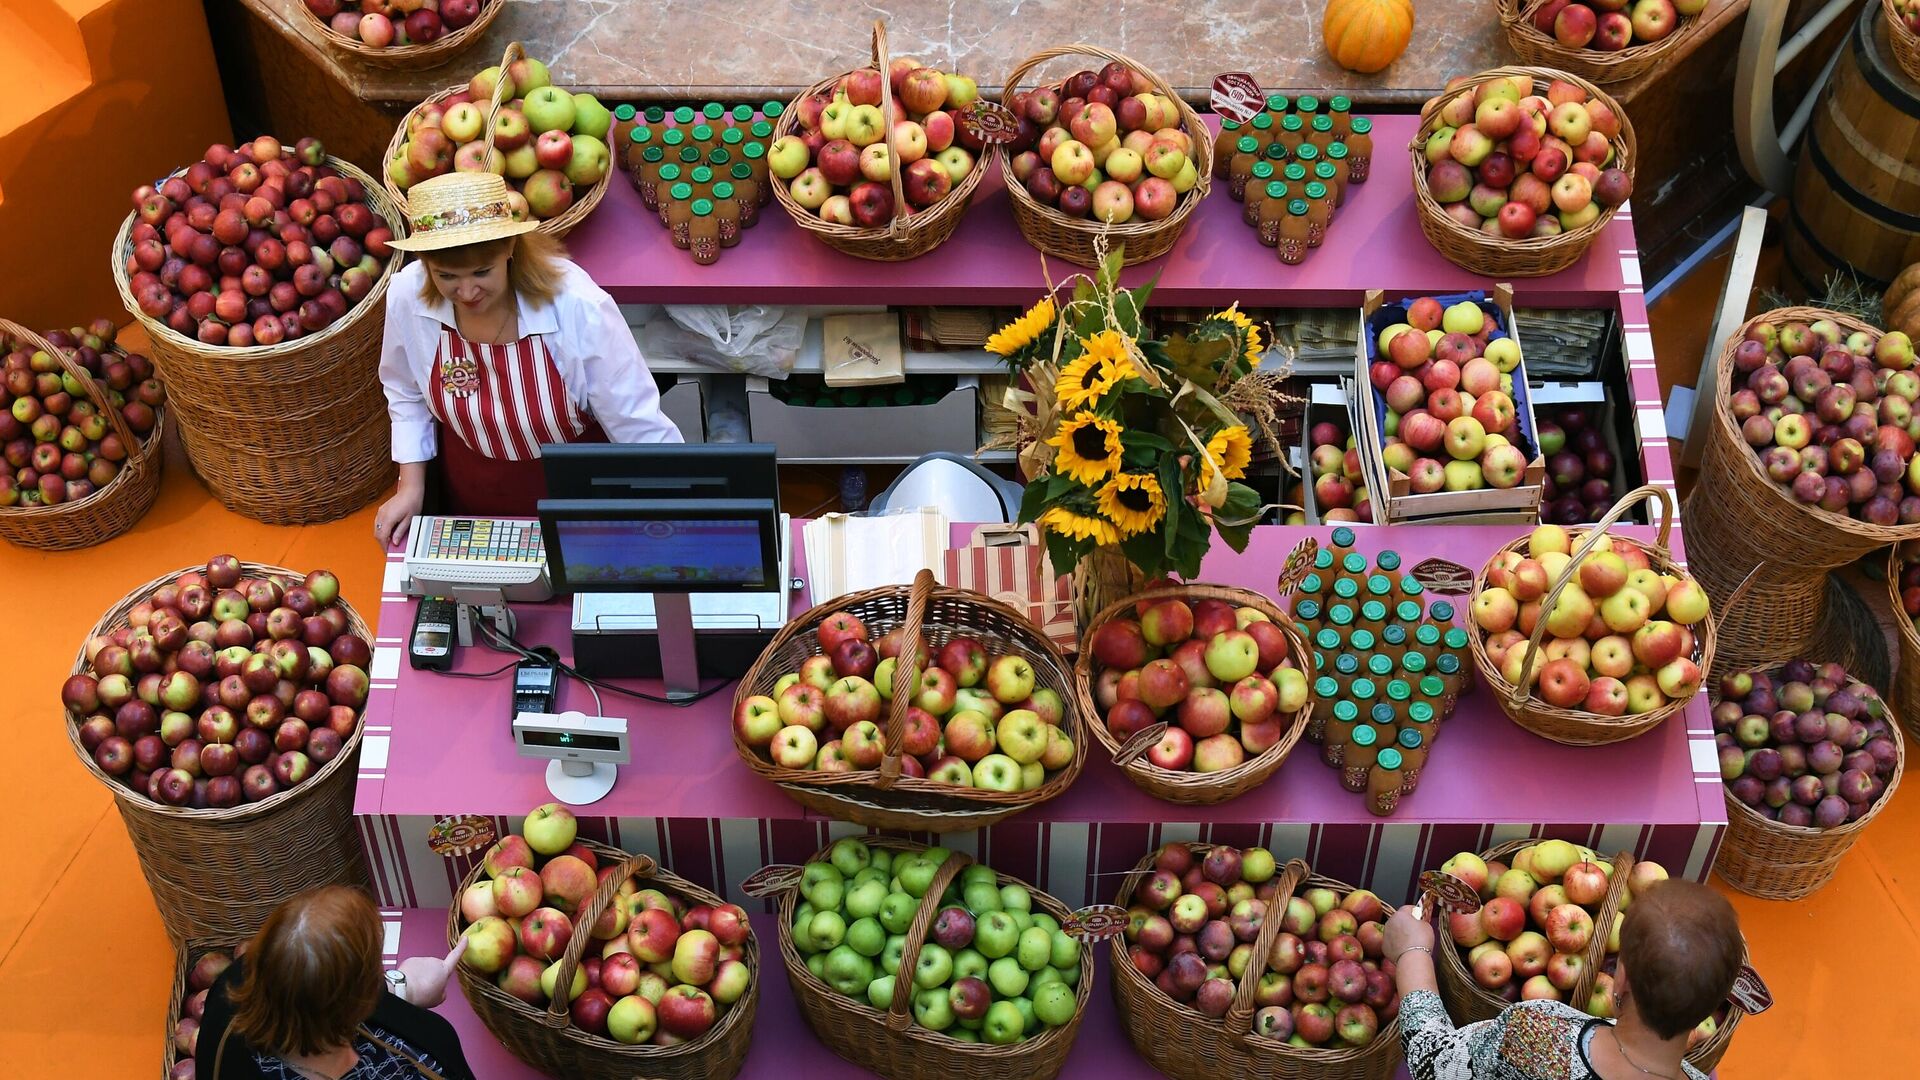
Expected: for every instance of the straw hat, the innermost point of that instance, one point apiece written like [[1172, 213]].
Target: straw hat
[[459, 208]]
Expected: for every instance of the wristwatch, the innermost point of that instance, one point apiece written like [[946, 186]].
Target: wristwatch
[[396, 983]]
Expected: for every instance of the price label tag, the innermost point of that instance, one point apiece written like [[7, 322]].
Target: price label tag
[[1450, 893], [989, 122], [1141, 742], [1236, 96], [772, 880], [1749, 992], [454, 836], [1443, 576], [1095, 923], [1299, 561]]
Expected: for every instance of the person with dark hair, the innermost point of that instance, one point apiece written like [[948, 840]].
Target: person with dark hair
[[307, 1000], [1680, 950]]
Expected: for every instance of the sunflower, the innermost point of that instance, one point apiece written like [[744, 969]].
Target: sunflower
[[1134, 502], [1089, 448], [1081, 383], [1077, 526], [1249, 331], [1024, 330], [1232, 449]]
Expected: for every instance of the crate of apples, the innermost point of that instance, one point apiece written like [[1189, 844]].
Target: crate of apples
[[665, 965], [1202, 690], [1339, 483], [60, 443], [1624, 646], [1195, 917], [1583, 476]]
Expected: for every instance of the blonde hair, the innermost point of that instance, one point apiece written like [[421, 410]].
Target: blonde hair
[[533, 272]]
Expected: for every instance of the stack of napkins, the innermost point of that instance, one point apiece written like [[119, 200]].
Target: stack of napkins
[[847, 553], [1562, 343]]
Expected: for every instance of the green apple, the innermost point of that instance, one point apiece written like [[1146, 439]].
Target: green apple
[[631, 1020], [1065, 952], [1045, 921], [1464, 317], [977, 874], [915, 876], [1004, 1025], [1022, 921], [961, 90], [590, 117], [827, 930], [882, 859], [976, 699], [996, 772], [934, 967], [871, 873], [826, 893], [1504, 353], [866, 937], [897, 911], [1070, 975], [960, 1034], [980, 898], [932, 1009], [890, 956], [802, 918], [969, 964], [1034, 948], [1256, 864], [995, 934], [848, 972], [880, 992], [864, 899], [1022, 736], [1027, 1021], [783, 682], [817, 965], [549, 108], [1007, 977], [849, 856], [1054, 1004], [1041, 978], [1015, 898], [551, 977], [883, 672], [1464, 476]]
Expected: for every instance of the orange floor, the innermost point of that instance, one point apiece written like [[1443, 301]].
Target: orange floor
[[85, 968]]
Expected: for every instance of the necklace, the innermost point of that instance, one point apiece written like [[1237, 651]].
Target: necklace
[[1628, 1058]]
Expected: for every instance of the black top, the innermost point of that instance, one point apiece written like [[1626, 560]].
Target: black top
[[423, 1032]]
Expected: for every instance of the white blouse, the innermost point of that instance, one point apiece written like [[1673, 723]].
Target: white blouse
[[599, 361]]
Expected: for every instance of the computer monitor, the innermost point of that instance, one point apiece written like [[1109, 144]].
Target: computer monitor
[[661, 546], [661, 471]]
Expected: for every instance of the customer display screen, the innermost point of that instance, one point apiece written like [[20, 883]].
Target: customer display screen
[[662, 553]]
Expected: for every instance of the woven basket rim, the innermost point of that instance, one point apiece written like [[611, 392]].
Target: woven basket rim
[[1909, 633], [1516, 20], [423, 56], [115, 617]]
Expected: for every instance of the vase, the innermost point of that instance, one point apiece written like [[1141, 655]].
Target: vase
[[1101, 578]]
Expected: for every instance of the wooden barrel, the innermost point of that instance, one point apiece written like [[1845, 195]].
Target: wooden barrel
[[1856, 191]]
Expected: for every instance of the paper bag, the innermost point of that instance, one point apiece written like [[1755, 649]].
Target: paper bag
[[861, 350], [1009, 563]]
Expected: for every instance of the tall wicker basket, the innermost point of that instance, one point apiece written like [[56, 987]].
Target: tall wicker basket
[[1906, 685], [883, 798], [1185, 787], [1535, 46], [1469, 1003], [1499, 256], [907, 236], [1186, 1044], [1082, 240], [288, 434], [1741, 522], [404, 57], [219, 873], [110, 511], [890, 1043], [546, 1038], [1906, 43], [186, 954], [557, 226]]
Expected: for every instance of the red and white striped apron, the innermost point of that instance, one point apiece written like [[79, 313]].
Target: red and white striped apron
[[497, 405]]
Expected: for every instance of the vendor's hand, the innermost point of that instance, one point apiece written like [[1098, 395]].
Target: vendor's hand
[[1406, 931], [427, 975], [395, 516]]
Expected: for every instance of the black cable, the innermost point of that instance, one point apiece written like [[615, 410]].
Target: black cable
[[494, 674], [571, 672]]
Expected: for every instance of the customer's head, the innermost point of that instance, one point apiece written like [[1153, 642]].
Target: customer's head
[[312, 973], [1680, 949]]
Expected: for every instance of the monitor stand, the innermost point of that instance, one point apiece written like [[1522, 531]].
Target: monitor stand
[[579, 783], [679, 662]]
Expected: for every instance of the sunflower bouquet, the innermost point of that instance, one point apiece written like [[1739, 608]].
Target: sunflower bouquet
[[1131, 445]]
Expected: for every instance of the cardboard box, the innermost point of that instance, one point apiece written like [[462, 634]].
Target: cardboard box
[[684, 403], [1393, 497], [897, 434]]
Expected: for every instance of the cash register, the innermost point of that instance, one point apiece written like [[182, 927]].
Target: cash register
[[484, 563]]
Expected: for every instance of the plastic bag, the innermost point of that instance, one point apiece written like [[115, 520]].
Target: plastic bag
[[752, 339]]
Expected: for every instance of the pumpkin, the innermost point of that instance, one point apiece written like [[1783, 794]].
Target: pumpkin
[[1900, 306], [1366, 35]]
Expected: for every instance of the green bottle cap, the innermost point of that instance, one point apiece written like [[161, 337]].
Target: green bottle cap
[[1277, 191], [1325, 171], [1342, 537], [1347, 664], [639, 134], [772, 109], [1328, 638], [1388, 758], [1441, 611], [1456, 639], [1388, 560], [1340, 615], [1381, 715], [655, 115], [1374, 611], [1247, 145], [755, 151], [1411, 586], [1407, 612], [1427, 634], [1323, 559], [1414, 663], [1298, 208], [1346, 589], [653, 154], [1395, 635], [1316, 190], [1263, 170], [683, 115], [1295, 173], [673, 136], [1361, 125], [1228, 123], [733, 136], [1291, 122], [1399, 689], [1311, 584], [701, 175], [723, 190], [1354, 563], [719, 155], [702, 133], [1276, 152], [1363, 734], [680, 192], [1378, 585], [1378, 665], [624, 113], [1346, 712], [1432, 686], [689, 156], [1307, 152], [1323, 123], [669, 175], [761, 130], [1446, 664], [713, 110], [702, 207], [1319, 658], [1339, 103], [1410, 738], [1325, 686], [1307, 610], [1420, 713], [1361, 640], [1277, 103], [742, 114], [1262, 122], [1307, 103], [741, 171], [1336, 151], [1362, 689]]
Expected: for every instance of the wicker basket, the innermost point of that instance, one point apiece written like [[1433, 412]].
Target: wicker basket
[[546, 1038], [408, 57], [890, 1043], [185, 955], [1469, 1003], [565, 222], [1498, 256], [1787, 862], [1575, 727], [1740, 521], [1082, 240], [1185, 787], [1183, 1043], [108, 512], [219, 873], [907, 236], [1906, 685], [1906, 43], [883, 798], [225, 399], [1533, 46]]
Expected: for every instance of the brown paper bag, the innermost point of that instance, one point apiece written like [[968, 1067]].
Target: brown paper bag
[[1010, 564], [862, 350]]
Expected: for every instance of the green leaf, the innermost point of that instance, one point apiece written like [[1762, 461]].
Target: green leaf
[[1144, 551], [1147, 440], [1108, 275], [1241, 510], [1064, 553], [1141, 292], [1035, 499]]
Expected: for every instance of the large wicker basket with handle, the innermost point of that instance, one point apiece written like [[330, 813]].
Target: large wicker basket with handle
[[415, 57], [884, 797], [1083, 240], [1535, 46], [1906, 685], [1903, 38], [113, 509], [218, 873], [1186, 1044], [548, 1040]]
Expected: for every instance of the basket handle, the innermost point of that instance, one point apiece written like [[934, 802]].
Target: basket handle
[[906, 675], [1603, 923], [1202, 147], [1519, 692], [514, 51], [899, 1015], [558, 1009], [1239, 1018], [882, 59], [94, 393]]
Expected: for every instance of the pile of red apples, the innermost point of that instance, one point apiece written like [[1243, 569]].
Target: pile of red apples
[[57, 443], [1446, 377], [1103, 145], [391, 23], [1612, 25]]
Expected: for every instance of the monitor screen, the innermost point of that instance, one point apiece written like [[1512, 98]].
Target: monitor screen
[[607, 545], [660, 471]]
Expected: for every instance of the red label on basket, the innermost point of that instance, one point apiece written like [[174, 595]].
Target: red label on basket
[[989, 122], [1097, 922], [1749, 992], [1449, 892], [1297, 565], [1141, 742], [1443, 576], [772, 880], [1237, 96]]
